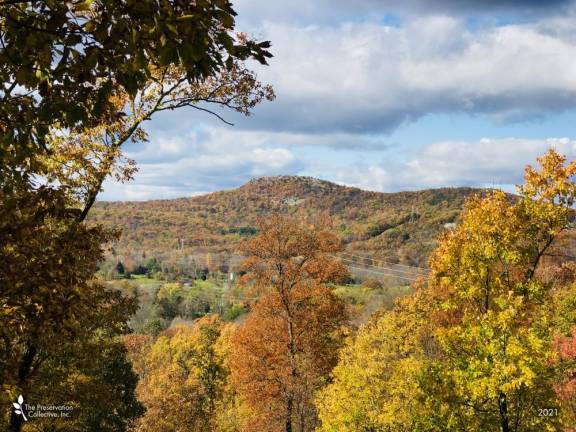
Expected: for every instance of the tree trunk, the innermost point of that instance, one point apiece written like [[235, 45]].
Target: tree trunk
[[15, 422], [503, 407], [293, 372], [289, 408], [302, 420], [24, 372]]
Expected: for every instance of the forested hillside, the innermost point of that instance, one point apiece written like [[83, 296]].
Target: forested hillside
[[398, 227]]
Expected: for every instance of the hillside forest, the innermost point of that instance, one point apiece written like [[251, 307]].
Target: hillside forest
[[399, 228], [289, 304]]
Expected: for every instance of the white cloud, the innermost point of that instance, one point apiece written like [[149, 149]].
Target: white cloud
[[224, 165], [205, 160], [367, 78], [175, 144], [362, 77], [486, 162]]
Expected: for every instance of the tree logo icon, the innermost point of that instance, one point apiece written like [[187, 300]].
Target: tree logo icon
[[19, 407]]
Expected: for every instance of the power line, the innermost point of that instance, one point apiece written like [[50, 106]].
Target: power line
[[386, 262], [384, 274], [350, 261], [217, 296], [383, 270]]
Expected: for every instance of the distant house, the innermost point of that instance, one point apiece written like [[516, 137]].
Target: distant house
[[449, 225], [185, 282]]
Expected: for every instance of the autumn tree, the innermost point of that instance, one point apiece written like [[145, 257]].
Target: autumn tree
[[288, 345], [95, 378], [376, 382], [183, 378], [56, 322], [119, 62], [565, 383], [485, 356], [78, 162], [39, 225], [56, 52], [563, 312], [168, 299], [496, 345]]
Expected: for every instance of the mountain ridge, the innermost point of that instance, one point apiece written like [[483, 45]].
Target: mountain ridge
[[280, 178], [397, 226]]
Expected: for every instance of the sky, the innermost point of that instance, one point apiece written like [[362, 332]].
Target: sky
[[382, 95]]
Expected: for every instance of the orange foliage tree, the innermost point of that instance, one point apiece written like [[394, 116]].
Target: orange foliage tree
[[566, 385], [288, 345]]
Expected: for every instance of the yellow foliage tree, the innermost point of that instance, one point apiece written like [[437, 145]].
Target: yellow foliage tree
[[183, 379], [484, 357], [376, 385]]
